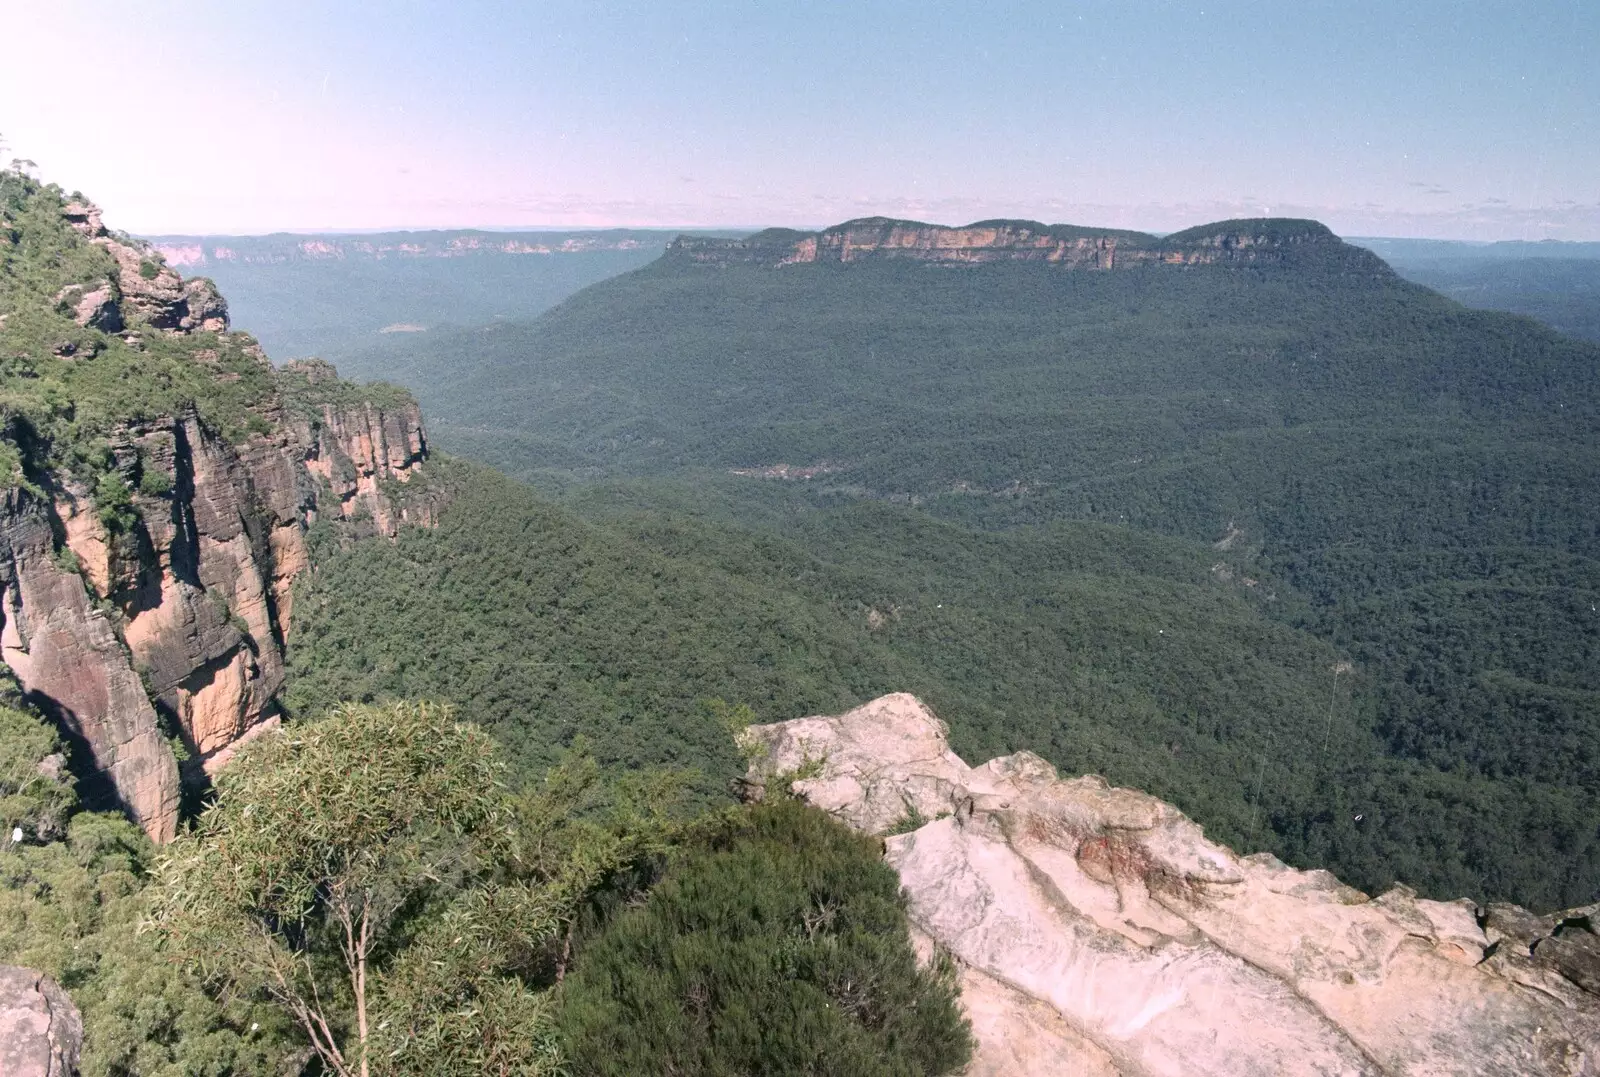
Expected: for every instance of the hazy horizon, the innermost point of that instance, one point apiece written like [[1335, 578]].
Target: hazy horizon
[[1439, 121]]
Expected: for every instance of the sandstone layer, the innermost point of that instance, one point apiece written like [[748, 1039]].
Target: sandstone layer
[[173, 623], [1099, 932], [41, 1033], [1267, 241]]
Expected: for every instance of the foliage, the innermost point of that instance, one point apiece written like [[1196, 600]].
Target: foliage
[[457, 999], [72, 899], [66, 389], [1407, 480], [779, 948], [72, 385], [308, 385], [36, 794], [1105, 650], [370, 874], [298, 880], [114, 503]]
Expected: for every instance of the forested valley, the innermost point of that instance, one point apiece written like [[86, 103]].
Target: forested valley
[[1350, 458], [399, 870], [1302, 549]]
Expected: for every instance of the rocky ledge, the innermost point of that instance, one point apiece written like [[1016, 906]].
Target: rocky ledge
[[1258, 242], [1098, 932]]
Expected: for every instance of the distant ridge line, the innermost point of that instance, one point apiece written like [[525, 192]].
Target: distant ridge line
[[1258, 241]]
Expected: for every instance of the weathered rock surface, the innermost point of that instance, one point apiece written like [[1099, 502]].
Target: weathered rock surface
[[146, 287], [1099, 932], [67, 657], [201, 585], [1244, 242], [184, 613], [41, 1033]]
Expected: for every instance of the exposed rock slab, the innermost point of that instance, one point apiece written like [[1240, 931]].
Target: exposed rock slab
[[41, 1033], [355, 450], [1100, 932]]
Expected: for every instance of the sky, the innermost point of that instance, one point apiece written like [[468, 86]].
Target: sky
[[1465, 119]]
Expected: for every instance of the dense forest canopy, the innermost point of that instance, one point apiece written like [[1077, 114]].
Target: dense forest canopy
[[1301, 548], [1403, 479]]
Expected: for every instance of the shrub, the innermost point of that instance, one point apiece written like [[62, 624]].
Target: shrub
[[780, 948]]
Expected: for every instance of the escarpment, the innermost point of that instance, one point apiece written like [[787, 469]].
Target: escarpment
[[1262, 242], [1097, 931], [356, 446], [154, 526]]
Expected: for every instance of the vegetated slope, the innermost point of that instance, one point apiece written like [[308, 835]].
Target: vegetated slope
[[1556, 282], [156, 474], [1563, 293], [1103, 649], [331, 295], [1418, 472]]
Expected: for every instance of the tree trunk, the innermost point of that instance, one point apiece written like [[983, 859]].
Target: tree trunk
[[361, 984]]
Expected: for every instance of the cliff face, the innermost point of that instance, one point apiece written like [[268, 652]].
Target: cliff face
[[1099, 932], [1246, 242], [164, 611], [67, 657], [356, 447]]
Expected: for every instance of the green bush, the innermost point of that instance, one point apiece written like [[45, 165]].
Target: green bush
[[153, 483], [114, 502], [779, 949], [35, 793], [73, 906]]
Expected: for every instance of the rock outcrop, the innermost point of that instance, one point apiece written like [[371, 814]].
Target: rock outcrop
[[355, 449], [1099, 932], [166, 613], [145, 286], [41, 1033], [1267, 241], [66, 655]]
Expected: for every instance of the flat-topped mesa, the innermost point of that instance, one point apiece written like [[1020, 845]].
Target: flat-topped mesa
[[1098, 932], [1264, 241]]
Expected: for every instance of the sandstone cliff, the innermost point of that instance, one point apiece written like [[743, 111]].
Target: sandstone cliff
[[1267, 241], [1099, 932], [147, 562]]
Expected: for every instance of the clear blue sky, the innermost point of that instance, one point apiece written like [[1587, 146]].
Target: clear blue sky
[[1435, 118]]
